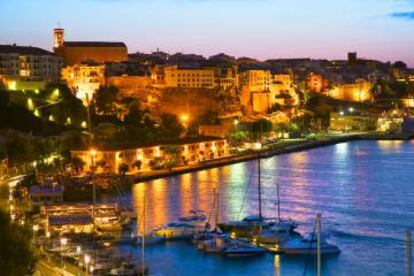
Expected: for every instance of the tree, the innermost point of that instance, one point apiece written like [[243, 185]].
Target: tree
[[15, 254], [171, 126], [105, 100], [137, 164], [123, 169], [77, 164]]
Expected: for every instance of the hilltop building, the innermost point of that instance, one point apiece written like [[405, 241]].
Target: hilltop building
[[84, 79], [26, 67], [77, 52]]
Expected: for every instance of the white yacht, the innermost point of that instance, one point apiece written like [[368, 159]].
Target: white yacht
[[308, 246]]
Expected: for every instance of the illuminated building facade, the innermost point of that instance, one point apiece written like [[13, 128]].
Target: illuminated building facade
[[27, 64], [77, 52], [84, 79], [189, 78], [261, 90], [316, 83], [360, 91], [351, 122], [191, 151], [255, 80]]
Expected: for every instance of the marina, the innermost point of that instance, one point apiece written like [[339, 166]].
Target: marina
[[276, 216]]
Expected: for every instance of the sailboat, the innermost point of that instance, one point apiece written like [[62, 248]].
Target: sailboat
[[259, 228], [219, 243]]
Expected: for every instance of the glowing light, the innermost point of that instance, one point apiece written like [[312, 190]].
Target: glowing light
[[257, 146], [12, 85], [78, 249], [48, 234], [184, 118], [35, 227], [56, 93], [63, 241], [37, 113], [351, 109], [68, 121], [30, 104], [236, 122], [341, 113], [51, 118], [37, 91], [84, 124], [87, 259], [92, 152]]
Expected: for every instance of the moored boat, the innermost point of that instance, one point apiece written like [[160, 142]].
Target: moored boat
[[308, 246]]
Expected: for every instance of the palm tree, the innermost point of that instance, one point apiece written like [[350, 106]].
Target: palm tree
[[138, 164], [77, 164], [123, 169]]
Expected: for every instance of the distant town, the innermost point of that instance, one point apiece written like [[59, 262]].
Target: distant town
[[96, 91]]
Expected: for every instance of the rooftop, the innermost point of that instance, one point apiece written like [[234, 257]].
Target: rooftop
[[93, 44], [23, 50]]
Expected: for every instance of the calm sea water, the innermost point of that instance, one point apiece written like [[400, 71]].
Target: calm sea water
[[364, 190]]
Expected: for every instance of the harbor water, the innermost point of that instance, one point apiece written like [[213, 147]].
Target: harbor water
[[364, 190]]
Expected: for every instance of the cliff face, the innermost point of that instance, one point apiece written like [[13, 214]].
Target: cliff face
[[193, 102]]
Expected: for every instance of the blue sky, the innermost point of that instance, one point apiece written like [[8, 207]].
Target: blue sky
[[381, 29]]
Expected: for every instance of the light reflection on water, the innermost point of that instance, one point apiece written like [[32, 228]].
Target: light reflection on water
[[363, 189]]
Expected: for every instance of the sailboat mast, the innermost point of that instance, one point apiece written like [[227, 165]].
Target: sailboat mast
[[217, 209], [278, 203], [259, 186], [143, 234]]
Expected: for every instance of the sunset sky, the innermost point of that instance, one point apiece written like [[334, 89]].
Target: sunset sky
[[379, 29]]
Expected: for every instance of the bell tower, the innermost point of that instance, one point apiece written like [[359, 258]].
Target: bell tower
[[58, 38]]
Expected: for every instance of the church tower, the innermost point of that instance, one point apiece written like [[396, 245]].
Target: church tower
[[58, 38]]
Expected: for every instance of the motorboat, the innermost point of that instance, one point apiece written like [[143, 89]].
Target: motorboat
[[149, 239], [176, 231], [277, 234], [244, 250], [183, 228], [196, 218], [308, 246], [127, 269], [224, 244]]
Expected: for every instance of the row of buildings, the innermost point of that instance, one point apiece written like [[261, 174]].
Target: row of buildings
[[87, 65]]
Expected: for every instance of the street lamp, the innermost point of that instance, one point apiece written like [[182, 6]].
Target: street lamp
[[63, 242], [87, 259], [92, 153], [351, 109], [78, 250], [184, 118], [35, 229]]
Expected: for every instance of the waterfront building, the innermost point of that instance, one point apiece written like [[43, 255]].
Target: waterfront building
[[150, 156], [77, 217], [46, 194], [77, 52], [84, 79], [352, 122], [25, 67]]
